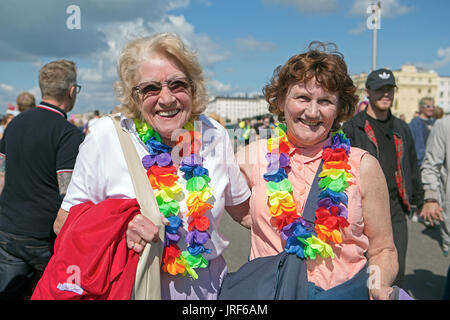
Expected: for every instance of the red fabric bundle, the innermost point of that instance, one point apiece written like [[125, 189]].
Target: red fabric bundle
[[91, 259]]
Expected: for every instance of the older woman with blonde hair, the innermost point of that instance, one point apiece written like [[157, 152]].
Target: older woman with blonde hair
[[348, 234], [162, 92]]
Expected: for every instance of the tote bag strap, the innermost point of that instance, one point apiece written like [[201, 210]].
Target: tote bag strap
[[147, 285]]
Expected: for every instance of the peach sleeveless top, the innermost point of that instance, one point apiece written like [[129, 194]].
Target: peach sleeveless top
[[266, 240]]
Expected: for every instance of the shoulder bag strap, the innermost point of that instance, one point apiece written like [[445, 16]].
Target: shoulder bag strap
[[147, 285], [309, 211]]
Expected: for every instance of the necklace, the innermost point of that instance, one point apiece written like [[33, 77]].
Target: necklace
[[168, 192], [305, 239]]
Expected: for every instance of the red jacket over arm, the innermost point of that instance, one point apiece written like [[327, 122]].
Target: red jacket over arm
[[91, 259]]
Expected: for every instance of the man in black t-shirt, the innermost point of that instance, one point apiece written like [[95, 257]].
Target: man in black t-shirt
[[37, 156], [389, 139]]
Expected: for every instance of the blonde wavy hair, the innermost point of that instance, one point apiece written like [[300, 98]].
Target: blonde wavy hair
[[170, 46]]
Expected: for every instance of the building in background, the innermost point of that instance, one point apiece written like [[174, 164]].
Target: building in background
[[443, 94], [413, 84], [233, 108]]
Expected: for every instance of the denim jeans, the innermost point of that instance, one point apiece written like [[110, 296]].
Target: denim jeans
[[22, 261]]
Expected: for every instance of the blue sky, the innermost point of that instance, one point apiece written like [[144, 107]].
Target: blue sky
[[239, 43]]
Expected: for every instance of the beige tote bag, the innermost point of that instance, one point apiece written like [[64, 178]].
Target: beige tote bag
[[147, 283]]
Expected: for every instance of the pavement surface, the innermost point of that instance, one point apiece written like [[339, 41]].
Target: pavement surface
[[426, 266]]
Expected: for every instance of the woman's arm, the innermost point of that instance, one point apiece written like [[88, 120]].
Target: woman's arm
[[382, 254], [240, 213], [59, 221], [245, 159]]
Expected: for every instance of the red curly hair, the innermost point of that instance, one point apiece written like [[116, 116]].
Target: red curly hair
[[327, 67]]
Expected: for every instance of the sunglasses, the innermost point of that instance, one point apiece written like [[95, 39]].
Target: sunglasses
[[153, 88], [77, 88], [428, 106]]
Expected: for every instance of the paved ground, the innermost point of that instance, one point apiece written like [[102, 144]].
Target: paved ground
[[426, 266]]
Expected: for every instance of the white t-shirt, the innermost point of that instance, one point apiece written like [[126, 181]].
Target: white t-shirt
[[91, 123], [101, 172]]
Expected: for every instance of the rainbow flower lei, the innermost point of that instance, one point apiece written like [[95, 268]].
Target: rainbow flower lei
[[304, 238], [168, 192]]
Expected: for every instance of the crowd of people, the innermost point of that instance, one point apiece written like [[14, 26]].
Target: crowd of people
[[73, 199]]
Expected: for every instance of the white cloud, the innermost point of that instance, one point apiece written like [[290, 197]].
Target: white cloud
[[209, 53], [358, 29], [98, 80], [106, 27], [307, 7], [53, 38], [217, 88], [250, 43], [6, 88], [442, 61], [36, 92]]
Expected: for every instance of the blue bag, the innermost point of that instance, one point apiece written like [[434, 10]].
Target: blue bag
[[279, 277]]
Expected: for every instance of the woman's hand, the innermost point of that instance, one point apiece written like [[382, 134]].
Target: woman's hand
[[140, 231], [382, 293], [59, 221]]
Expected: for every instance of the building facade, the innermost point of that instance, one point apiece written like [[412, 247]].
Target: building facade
[[443, 94], [233, 108], [413, 84]]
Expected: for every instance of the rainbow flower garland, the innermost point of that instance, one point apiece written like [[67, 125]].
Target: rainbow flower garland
[[168, 192], [307, 239]]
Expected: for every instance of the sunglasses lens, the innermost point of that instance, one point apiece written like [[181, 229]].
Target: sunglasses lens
[[154, 88], [177, 85], [150, 89]]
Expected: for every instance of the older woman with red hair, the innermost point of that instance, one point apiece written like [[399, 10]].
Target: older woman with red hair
[[349, 234]]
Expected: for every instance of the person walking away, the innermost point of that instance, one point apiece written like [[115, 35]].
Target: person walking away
[[420, 129], [25, 101], [421, 126], [435, 180], [389, 139], [37, 155]]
